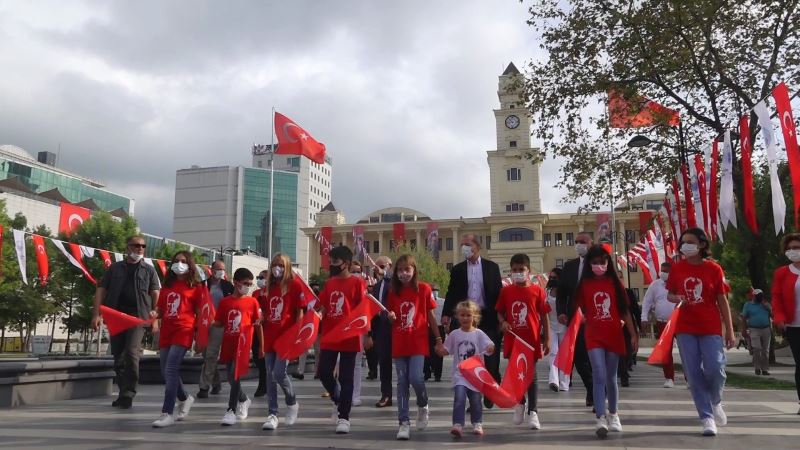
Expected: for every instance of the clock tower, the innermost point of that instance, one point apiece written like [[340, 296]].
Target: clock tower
[[514, 180]]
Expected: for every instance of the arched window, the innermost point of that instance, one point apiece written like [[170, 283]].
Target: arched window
[[516, 234]]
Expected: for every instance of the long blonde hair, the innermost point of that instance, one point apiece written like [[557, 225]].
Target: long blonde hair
[[285, 262]]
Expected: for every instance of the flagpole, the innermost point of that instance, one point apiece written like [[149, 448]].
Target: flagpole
[[271, 183]]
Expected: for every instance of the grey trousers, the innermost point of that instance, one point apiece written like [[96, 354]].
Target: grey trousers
[[209, 373], [127, 349], [759, 342]]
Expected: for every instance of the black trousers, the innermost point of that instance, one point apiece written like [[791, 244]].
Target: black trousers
[[127, 349], [582, 364], [342, 392], [492, 361], [625, 361], [261, 363], [382, 340], [433, 363], [372, 361], [793, 336]]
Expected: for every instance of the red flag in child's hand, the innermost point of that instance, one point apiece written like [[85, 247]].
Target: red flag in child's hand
[[205, 318], [358, 322], [663, 348], [566, 351], [520, 369], [243, 346], [106, 258], [475, 372], [117, 322], [298, 338]]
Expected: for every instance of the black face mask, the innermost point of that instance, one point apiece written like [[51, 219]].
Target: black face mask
[[551, 283], [335, 270]]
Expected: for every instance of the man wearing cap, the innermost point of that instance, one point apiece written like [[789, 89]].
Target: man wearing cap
[[656, 299], [756, 315]]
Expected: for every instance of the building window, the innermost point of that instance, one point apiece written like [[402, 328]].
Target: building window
[[560, 263], [559, 240], [449, 266], [413, 244], [512, 106], [439, 244], [374, 219], [488, 242], [514, 174], [260, 164], [512, 144], [390, 217], [546, 240], [570, 239], [514, 207], [448, 244], [376, 247], [516, 234], [508, 208]]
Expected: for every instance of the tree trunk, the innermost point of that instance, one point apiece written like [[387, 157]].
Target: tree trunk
[[2, 339]]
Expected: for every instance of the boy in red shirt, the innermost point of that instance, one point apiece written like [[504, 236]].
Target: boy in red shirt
[[237, 314], [522, 309], [342, 293]]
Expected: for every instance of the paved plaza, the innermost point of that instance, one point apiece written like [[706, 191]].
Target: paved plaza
[[653, 418]]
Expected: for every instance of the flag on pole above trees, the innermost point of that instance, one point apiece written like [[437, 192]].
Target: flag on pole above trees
[[771, 145], [293, 140], [784, 106], [747, 174]]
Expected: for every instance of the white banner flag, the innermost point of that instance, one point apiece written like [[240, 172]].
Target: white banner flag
[[118, 257], [727, 208], [19, 246], [87, 251], [767, 132], [696, 199]]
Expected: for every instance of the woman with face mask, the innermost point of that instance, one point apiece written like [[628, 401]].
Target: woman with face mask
[[698, 285], [179, 304], [786, 300]]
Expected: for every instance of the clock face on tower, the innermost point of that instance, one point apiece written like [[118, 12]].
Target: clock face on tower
[[512, 122]]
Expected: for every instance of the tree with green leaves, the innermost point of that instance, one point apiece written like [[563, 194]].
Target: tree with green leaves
[[711, 59], [169, 249], [428, 269]]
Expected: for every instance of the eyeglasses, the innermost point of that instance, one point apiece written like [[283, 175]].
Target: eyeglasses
[[137, 245]]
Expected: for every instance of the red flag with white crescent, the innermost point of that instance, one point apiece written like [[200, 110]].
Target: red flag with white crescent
[[713, 196], [75, 249], [41, 258], [747, 174], [476, 374], [520, 370], [566, 350], [663, 348], [207, 314], [72, 217], [243, 346], [691, 218], [676, 192], [784, 106], [293, 140], [106, 257], [298, 338], [356, 323], [162, 265], [117, 321]]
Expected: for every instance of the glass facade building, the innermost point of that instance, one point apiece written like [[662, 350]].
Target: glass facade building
[[255, 212]]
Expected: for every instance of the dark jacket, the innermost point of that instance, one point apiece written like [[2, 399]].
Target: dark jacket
[[145, 281], [227, 286], [567, 284], [458, 288], [380, 323]]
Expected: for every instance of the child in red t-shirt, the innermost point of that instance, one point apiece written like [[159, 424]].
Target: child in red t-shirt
[[237, 315], [282, 306], [604, 303], [699, 285], [341, 293], [178, 306], [522, 309], [411, 304]]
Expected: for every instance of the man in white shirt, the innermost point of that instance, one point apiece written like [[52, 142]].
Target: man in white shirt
[[656, 299]]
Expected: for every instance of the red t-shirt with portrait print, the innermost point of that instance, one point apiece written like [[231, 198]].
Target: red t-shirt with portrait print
[[177, 306], [597, 297], [279, 311], [410, 329], [236, 316], [339, 297], [522, 307], [700, 284]]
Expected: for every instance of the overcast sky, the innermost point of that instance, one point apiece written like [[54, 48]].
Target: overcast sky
[[400, 92]]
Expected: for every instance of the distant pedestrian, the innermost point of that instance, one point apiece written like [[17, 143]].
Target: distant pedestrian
[[756, 315]]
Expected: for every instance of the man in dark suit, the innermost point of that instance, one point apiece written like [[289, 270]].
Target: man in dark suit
[[380, 336], [476, 279], [567, 283]]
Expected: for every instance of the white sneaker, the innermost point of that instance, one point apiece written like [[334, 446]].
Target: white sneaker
[[669, 383], [533, 421], [613, 422], [184, 407], [342, 426], [601, 427], [164, 420], [335, 414], [423, 414], [242, 408], [477, 429], [519, 414], [271, 423], [404, 433], [291, 414], [356, 402], [709, 427], [720, 418], [228, 419]]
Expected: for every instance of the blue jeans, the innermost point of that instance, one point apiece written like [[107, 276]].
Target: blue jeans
[[461, 393], [171, 358], [410, 371], [276, 375], [604, 380], [703, 359]]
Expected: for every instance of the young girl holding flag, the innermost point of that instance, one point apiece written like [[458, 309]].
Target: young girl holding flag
[[411, 306], [602, 298]]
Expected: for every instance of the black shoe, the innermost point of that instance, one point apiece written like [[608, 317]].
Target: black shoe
[[297, 376], [216, 389], [260, 391], [202, 393], [115, 403], [384, 402], [625, 382], [765, 372], [589, 401], [487, 403], [125, 403], [371, 376], [437, 379], [553, 387]]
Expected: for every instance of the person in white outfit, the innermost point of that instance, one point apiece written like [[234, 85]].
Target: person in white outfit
[[559, 381], [656, 299]]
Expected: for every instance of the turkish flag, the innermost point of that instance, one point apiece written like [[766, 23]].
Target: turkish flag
[[520, 370], [243, 346], [106, 257], [566, 350], [293, 140], [747, 174], [398, 233], [713, 198], [358, 322], [324, 237], [41, 258], [644, 222], [784, 106], [476, 374], [701, 187], [635, 111], [663, 348], [117, 322], [72, 217], [691, 218], [298, 338], [307, 293], [75, 249], [676, 192], [205, 318], [162, 265]]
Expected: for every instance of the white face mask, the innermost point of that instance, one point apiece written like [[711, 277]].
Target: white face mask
[[180, 268], [664, 276], [135, 256], [277, 271], [466, 251], [519, 277], [219, 274], [244, 290], [581, 249], [261, 283], [689, 249], [405, 277], [793, 255]]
